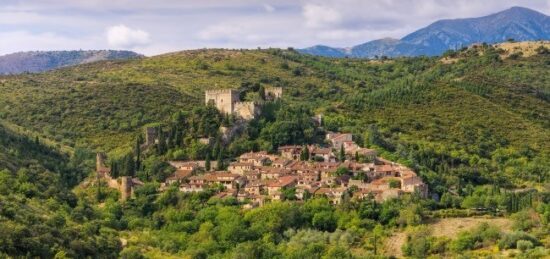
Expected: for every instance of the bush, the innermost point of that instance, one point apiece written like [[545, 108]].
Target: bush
[[511, 240], [524, 245]]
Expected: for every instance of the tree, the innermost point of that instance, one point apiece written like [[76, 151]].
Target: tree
[[304, 155], [324, 221], [207, 162], [161, 146], [377, 233], [219, 163], [261, 92], [342, 154], [137, 152]]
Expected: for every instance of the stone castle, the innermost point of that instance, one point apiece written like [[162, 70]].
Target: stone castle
[[228, 101], [124, 184]]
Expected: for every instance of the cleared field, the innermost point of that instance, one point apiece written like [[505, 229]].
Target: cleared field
[[448, 227]]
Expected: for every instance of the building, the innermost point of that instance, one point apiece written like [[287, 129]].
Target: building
[[273, 93], [227, 101], [124, 184], [337, 140], [151, 136]]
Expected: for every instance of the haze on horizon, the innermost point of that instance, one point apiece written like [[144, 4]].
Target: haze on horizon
[[154, 27]]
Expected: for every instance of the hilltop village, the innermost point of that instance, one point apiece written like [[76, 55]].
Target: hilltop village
[[339, 169]]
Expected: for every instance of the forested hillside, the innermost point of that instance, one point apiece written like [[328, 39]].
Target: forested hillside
[[473, 124], [477, 110], [39, 215]]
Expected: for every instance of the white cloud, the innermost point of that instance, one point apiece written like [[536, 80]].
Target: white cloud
[[152, 27], [121, 36], [318, 16], [269, 8], [16, 41]]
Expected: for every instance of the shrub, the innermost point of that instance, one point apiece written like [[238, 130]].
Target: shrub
[[524, 245]]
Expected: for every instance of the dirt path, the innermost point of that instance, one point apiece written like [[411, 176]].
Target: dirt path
[[393, 244]]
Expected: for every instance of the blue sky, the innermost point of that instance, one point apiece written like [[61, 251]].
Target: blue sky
[[157, 26]]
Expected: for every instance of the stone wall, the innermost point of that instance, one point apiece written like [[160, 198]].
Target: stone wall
[[223, 99], [246, 110], [273, 93]]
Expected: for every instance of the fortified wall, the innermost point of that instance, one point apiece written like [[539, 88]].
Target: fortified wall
[[228, 101]]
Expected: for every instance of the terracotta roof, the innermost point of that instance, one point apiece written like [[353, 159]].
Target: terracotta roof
[[241, 164], [289, 147], [180, 174]]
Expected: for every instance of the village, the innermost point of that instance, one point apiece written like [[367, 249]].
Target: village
[[338, 169]]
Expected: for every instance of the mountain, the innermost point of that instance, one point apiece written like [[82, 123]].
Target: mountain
[[518, 23], [40, 61]]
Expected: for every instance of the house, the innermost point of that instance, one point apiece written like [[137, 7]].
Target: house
[[324, 153], [337, 140], [333, 194], [277, 185], [185, 165], [179, 176], [290, 152], [255, 158], [240, 168], [281, 163]]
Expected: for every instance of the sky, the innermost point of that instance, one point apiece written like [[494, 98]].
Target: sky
[[153, 27]]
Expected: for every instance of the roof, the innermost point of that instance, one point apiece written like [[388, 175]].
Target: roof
[[321, 151], [180, 174], [241, 164], [289, 147]]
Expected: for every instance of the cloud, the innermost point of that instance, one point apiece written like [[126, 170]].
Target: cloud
[[318, 16], [121, 36], [15, 41], [269, 8], [152, 27]]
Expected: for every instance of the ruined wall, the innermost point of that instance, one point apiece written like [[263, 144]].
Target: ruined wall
[[150, 136], [125, 188], [223, 99], [246, 110], [273, 93], [100, 161]]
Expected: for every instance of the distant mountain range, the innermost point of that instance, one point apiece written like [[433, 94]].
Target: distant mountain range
[[39, 61], [518, 23]]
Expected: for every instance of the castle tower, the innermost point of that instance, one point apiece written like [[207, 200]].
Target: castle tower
[[273, 93], [150, 136], [125, 188], [223, 99], [100, 161]]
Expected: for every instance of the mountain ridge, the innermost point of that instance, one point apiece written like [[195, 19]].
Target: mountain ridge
[[41, 61], [516, 23]]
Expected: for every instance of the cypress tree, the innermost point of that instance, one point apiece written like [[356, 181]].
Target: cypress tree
[[129, 165], [261, 92], [304, 155], [219, 165], [342, 155], [137, 152], [207, 162], [161, 147]]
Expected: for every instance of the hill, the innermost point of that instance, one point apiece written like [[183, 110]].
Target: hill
[[469, 126], [516, 23], [40, 61], [481, 107]]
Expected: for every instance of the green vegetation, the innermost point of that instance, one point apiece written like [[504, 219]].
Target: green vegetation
[[475, 130], [39, 215]]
